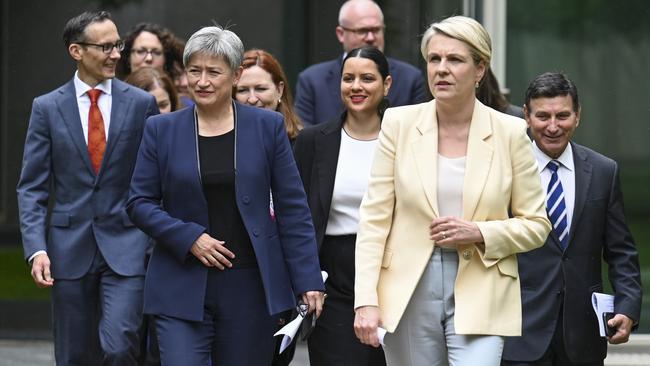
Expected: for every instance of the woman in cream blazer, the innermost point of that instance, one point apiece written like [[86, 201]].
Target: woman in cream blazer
[[501, 213]]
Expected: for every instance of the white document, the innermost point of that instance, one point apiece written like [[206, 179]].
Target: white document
[[381, 333], [288, 332], [602, 303]]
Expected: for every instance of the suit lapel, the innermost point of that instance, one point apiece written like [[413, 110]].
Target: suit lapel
[[582, 182], [327, 147], [425, 150], [479, 159], [69, 109], [119, 112]]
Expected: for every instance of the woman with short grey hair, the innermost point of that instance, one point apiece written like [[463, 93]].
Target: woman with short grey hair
[[224, 264]]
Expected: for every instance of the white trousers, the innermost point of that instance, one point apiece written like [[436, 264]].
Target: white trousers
[[426, 335]]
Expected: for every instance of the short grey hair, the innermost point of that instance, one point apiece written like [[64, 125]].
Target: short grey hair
[[215, 41], [466, 30]]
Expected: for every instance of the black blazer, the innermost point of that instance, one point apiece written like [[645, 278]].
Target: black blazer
[[550, 276], [317, 154]]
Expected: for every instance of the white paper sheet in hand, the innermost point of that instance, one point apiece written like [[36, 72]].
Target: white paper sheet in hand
[[288, 332], [602, 303]]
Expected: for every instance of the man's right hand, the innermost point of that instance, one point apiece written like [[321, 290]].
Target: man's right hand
[[212, 252], [41, 271], [366, 321]]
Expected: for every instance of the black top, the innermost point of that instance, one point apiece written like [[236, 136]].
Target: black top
[[217, 156]]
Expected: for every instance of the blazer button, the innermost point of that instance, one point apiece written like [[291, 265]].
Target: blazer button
[[467, 254], [256, 232], [246, 200]]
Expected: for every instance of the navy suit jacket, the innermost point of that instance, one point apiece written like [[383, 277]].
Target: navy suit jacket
[[167, 202], [551, 277], [318, 91], [88, 211]]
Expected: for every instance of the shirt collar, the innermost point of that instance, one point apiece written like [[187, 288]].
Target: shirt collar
[[566, 158], [82, 88]]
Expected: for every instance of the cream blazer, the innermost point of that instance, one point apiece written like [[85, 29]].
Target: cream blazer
[[502, 193]]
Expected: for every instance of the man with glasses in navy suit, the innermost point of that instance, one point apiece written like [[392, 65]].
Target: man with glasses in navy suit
[[79, 155], [318, 91]]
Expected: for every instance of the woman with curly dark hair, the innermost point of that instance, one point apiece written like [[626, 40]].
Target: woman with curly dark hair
[[147, 45]]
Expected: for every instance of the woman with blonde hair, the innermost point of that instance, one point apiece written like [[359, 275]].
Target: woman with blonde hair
[[454, 194]]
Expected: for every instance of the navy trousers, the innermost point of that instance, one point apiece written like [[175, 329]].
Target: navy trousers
[[96, 317], [236, 328]]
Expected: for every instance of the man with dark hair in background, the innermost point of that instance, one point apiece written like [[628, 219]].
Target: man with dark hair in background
[[80, 151]]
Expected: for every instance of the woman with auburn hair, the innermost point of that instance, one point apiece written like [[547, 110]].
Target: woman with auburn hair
[[157, 84], [264, 84]]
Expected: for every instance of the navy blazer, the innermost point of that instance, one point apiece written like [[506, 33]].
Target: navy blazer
[[88, 210], [167, 202], [552, 278], [318, 90]]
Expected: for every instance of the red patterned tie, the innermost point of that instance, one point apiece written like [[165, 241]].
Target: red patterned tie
[[96, 133]]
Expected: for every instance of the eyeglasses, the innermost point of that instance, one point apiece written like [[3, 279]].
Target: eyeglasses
[[362, 32], [143, 52], [106, 47]]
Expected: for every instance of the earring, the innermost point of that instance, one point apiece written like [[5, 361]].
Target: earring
[[279, 101], [476, 85]]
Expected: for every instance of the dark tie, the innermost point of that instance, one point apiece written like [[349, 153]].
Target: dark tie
[[555, 205], [96, 133]]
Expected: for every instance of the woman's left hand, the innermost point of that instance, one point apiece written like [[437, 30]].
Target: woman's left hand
[[315, 301], [451, 231]]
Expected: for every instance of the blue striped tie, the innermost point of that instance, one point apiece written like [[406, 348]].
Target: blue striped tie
[[555, 206]]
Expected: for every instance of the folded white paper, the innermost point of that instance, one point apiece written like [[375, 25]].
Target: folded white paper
[[602, 303], [381, 333], [288, 332]]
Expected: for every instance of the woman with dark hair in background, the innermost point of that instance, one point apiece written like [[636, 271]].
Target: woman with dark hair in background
[[157, 84], [334, 161], [147, 45], [489, 93], [264, 84]]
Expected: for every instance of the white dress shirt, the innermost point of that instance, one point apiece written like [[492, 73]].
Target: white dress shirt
[[105, 102], [566, 174], [350, 184]]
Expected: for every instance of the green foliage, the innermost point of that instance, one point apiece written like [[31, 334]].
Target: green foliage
[[15, 280]]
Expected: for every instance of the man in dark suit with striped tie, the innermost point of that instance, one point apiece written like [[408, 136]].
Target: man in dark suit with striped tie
[[585, 206]]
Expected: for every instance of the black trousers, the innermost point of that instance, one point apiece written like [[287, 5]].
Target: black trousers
[[333, 341]]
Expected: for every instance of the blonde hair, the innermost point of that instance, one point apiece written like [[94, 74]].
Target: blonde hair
[[466, 30]]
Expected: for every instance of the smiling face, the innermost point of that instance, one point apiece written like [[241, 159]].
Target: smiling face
[[451, 71], [362, 88], [93, 64], [147, 51], [552, 123], [256, 88], [210, 79]]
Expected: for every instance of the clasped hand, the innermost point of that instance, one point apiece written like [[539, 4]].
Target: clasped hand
[[449, 231], [212, 252]]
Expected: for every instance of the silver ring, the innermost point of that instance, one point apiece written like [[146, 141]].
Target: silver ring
[[443, 235]]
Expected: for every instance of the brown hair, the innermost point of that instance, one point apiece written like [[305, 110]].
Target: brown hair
[[268, 63], [148, 78]]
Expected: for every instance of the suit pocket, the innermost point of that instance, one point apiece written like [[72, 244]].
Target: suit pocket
[[508, 267], [60, 219], [126, 220], [388, 257]]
